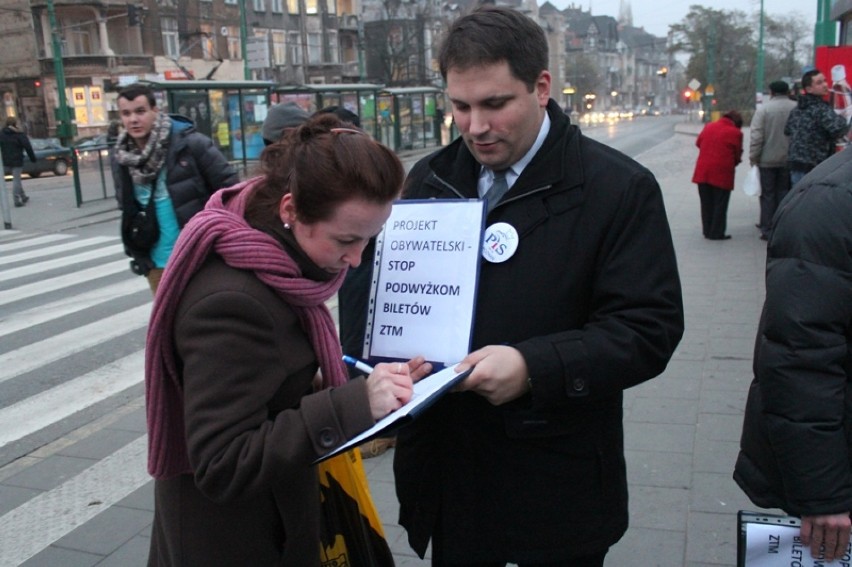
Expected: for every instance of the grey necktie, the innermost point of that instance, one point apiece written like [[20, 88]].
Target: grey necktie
[[498, 188]]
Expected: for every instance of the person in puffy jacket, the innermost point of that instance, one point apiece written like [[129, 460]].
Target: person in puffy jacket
[[813, 127], [720, 149], [163, 155], [796, 447]]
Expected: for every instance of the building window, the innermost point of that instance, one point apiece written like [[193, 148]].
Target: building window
[[259, 5], [169, 28], [292, 6], [230, 1], [314, 48], [295, 48], [279, 48], [277, 6], [333, 48], [88, 104], [208, 42], [311, 6], [78, 42], [331, 6], [234, 50]]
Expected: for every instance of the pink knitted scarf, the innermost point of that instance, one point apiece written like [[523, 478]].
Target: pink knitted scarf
[[221, 229]]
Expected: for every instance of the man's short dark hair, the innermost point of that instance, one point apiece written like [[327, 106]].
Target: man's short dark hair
[[779, 87], [491, 35], [132, 92], [808, 78]]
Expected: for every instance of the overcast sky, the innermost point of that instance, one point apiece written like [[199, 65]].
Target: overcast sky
[[656, 15]]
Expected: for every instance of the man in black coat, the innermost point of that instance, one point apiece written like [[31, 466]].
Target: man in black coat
[[796, 447], [13, 144], [525, 464]]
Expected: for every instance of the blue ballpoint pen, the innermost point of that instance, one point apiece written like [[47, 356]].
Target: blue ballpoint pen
[[357, 364]]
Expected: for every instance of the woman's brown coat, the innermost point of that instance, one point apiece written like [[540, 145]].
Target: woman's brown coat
[[253, 429]]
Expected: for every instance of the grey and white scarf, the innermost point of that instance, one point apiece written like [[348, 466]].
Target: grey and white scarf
[[144, 164]]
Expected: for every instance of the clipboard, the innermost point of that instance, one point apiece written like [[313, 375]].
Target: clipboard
[[426, 392]]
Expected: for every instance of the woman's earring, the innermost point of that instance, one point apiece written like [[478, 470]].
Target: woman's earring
[[286, 226]]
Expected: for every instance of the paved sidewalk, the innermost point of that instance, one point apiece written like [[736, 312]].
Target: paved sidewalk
[[682, 428]]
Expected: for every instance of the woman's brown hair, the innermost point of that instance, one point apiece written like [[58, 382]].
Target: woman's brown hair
[[323, 163]]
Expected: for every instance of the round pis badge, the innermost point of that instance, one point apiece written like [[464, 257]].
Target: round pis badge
[[501, 241]]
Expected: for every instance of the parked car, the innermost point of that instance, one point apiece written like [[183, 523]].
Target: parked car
[[50, 156], [90, 147]]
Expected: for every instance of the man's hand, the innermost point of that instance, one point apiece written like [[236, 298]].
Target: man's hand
[[500, 374], [830, 531]]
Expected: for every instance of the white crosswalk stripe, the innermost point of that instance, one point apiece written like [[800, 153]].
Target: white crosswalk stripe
[[47, 386]]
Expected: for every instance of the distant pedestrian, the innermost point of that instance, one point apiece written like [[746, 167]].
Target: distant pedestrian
[[796, 446], [163, 156], [280, 119], [813, 127], [720, 149], [768, 150], [13, 144]]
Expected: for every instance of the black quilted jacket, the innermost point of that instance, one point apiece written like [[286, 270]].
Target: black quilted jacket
[[796, 448]]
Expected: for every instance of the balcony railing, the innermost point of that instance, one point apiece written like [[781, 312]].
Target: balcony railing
[[72, 63]]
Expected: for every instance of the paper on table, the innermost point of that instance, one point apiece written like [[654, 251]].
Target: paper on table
[[426, 391]]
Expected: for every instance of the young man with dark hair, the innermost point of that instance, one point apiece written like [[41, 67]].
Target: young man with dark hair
[[161, 157], [813, 127], [524, 463]]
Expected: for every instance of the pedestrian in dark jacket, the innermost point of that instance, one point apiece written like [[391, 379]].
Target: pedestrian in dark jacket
[[525, 464], [813, 127], [13, 144], [720, 149], [796, 448], [237, 334], [161, 155]]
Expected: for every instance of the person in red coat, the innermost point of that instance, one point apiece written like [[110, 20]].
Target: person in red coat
[[720, 149]]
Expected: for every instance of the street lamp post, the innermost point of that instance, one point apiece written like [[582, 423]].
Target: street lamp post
[[759, 71]]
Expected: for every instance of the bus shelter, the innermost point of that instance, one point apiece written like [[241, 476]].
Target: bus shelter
[[359, 98], [402, 118], [231, 113], [411, 117]]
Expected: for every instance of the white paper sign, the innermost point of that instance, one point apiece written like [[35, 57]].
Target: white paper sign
[[424, 281], [774, 545]]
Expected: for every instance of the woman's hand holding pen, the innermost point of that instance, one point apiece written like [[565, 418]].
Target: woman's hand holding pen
[[390, 384]]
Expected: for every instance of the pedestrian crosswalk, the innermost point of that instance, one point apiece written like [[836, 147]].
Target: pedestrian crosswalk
[[72, 326]]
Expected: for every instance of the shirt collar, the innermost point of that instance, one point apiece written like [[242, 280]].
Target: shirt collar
[[486, 175]]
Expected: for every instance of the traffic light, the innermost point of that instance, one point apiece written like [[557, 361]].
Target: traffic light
[[687, 95]]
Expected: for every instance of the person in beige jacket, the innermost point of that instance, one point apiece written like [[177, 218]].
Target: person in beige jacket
[[768, 150]]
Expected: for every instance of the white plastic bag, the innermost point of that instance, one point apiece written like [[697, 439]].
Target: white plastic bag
[[751, 187]]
